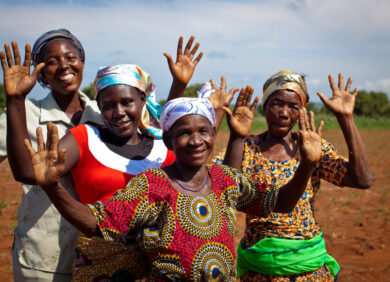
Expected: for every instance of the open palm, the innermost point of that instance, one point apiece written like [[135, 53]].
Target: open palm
[[48, 164], [184, 67], [240, 120], [310, 137], [219, 98], [342, 101], [17, 78]]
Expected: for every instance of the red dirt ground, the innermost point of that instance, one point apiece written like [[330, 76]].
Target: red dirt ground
[[354, 222]]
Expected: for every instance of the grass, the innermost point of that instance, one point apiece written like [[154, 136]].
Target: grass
[[3, 205], [363, 123]]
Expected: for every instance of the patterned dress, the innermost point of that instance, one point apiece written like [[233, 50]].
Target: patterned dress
[[300, 223], [185, 237]]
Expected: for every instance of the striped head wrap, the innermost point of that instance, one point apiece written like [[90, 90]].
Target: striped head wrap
[[134, 76], [47, 38], [179, 107], [289, 80]]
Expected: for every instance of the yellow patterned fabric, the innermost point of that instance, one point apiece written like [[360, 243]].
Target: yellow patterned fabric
[[300, 224]]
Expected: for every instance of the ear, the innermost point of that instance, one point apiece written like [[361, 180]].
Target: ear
[[167, 140]]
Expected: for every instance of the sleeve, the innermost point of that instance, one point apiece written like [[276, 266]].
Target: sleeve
[[254, 197], [332, 166], [3, 136], [218, 158], [80, 134], [130, 208], [170, 158]]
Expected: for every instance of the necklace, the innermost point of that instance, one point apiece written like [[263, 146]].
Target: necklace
[[204, 184]]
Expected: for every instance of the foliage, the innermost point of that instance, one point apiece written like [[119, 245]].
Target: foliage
[[89, 91], [191, 91], [372, 104], [2, 98]]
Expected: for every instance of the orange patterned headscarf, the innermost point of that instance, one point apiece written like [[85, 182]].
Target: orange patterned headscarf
[[289, 80]]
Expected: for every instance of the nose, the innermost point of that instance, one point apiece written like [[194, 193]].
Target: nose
[[284, 111], [63, 63], [119, 111], [195, 139]]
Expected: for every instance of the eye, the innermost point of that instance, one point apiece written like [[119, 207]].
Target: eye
[[127, 102], [51, 62], [107, 107]]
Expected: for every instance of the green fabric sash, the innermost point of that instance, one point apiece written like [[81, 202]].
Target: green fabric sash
[[275, 256]]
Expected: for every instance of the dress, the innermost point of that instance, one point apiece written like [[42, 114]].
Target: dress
[[98, 175], [185, 237], [300, 224], [44, 241]]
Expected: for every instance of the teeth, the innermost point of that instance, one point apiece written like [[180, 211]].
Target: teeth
[[66, 77]]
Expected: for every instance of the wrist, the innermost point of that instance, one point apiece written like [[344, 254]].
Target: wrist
[[10, 99], [178, 83]]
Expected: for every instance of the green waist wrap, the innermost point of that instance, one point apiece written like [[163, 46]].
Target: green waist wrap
[[275, 256]]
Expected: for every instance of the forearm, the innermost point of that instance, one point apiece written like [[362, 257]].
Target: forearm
[[358, 174], [290, 193], [234, 152], [76, 213], [219, 114], [177, 90], [18, 157]]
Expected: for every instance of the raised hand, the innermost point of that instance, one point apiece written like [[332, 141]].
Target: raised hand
[[240, 120], [219, 98], [310, 137], [342, 101], [47, 164], [183, 69], [17, 78]]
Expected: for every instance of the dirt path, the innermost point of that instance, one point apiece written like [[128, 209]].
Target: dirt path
[[355, 223]]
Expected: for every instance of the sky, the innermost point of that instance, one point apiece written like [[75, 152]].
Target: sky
[[246, 41]]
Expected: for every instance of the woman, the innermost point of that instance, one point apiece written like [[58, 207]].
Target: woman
[[105, 158], [59, 59], [183, 214], [272, 157]]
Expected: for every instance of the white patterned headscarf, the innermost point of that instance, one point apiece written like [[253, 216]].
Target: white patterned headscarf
[[177, 108]]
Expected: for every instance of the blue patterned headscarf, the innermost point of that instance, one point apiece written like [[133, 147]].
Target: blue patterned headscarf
[[177, 108], [48, 37], [133, 75]]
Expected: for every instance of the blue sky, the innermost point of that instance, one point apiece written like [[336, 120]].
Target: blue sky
[[247, 41]]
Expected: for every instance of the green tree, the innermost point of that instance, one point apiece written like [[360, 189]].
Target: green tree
[[2, 98], [89, 91], [372, 104], [192, 90]]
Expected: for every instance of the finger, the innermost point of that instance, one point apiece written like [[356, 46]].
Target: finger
[[188, 46], [29, 148], [240, 98], [319, 128], [311, 121], [61, 160], [193, 51], [213, 85], [307, 124], [349, 82], [27, 56], [249, 91], [341, 81], [254, 104], [54, 138], [15, 50], [301, 120], [197, 59], [355, 92], [9, 55], [179, 47], [3, 62], [223, 84], [323, 98], [37, 70], [228, 112], [332, 83], [230, 96], [169, 59], [41, 145]]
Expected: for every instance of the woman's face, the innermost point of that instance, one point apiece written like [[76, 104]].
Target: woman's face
[[282, 111], [63, 69], [192, 139], [121, 109]]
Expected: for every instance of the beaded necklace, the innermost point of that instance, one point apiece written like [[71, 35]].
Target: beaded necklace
[[204, 184]]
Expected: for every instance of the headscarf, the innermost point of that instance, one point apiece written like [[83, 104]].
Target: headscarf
[[48, 37], [289, 80], [206, 90], [133, 75], [179, 107]]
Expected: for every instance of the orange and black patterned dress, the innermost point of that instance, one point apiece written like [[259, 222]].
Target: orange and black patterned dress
[[186, 238], [300, 224]]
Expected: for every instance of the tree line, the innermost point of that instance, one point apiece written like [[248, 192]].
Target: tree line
[[368, 104]]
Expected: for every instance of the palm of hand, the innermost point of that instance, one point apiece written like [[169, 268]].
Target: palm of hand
[[342, 102], [183, 69], [241, 121], [310, 146], [46, 169], [17, 80], [220, 99]]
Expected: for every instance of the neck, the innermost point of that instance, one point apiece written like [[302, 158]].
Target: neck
[[69, 102], [187, 174]]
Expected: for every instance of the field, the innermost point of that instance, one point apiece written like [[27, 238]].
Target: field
[[355, 223]]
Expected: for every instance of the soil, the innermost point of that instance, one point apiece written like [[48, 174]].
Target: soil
[[355, 223]]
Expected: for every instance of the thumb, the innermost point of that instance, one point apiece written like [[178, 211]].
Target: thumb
[[37, 70], [228, 112], [323, 98], [169, 59]]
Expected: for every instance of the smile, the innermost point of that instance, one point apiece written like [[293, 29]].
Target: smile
[[67, 78]]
